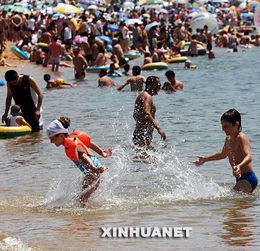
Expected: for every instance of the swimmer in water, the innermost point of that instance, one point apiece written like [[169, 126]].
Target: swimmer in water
[[58, 83]]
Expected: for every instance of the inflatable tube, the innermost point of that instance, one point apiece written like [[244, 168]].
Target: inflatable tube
[[97, 69], [65, 58], [75, 23], [105, 39], [201, 52], [132, 55], [176, 60], [113, 75], [181, 44], [109, 47], [192, 66], [155, 66], [43, 45], [2, 82], [19, 53], [14, 131], [59, 81]]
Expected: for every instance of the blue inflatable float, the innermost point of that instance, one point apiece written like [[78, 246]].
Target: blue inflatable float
[[2, 82], [20, 53], [97, 69]]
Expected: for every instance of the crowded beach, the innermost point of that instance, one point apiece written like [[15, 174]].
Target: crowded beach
[[105, 38]]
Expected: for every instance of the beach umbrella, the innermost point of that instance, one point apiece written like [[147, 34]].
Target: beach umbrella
[[164, 11], [67, 9], [92, 7], [181, 1], [6, 7], [128, 5], [151, 25], [105, 39], [133, 21], [123, 18], [201, 19], [58, 15], [20, 9], [79, 39], [146, 15], [112, 27], [153, 2], [242, 5], [89, 2]]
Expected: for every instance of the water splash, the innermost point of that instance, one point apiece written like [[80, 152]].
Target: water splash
[[14, 244], [162, 177], [64, 193]]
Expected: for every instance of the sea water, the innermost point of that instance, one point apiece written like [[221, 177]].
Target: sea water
[[40, 187]]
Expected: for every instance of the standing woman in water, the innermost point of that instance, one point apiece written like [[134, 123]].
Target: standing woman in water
[[76, 146]]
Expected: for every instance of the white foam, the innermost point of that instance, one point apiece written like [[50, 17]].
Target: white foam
[[14, 244], [166, 178]]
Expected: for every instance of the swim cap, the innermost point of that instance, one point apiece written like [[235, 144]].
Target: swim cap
[[55, 128]]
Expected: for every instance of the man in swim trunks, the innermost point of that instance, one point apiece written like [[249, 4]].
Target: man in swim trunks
[[144, 114], [237, 149], [80, 64]]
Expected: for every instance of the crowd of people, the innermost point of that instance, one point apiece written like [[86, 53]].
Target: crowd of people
[[95, 39]]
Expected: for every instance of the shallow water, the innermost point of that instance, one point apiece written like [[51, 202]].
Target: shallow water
[[39, 186]]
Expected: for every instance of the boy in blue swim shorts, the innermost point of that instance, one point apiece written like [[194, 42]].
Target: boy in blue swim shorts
[[237, 149]]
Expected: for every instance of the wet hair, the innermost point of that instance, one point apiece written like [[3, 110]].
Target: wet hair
[[103, 72], [46, 77], [65, 121], [101, 49], [170, 74], [92, 37], [159, 45], [136, 70], [11, 75], [232, 116], [126, 67], [150, 81], [112, 66], [55, 38], [15, 109]]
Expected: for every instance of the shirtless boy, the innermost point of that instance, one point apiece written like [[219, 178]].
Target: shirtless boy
[[237, 149], [80, 64], [136, 82]]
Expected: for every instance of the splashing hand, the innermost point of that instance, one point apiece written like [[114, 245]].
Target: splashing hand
[[200, 161], [107, 153]]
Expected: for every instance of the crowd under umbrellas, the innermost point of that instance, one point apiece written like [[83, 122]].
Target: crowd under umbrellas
[[145, 24]]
